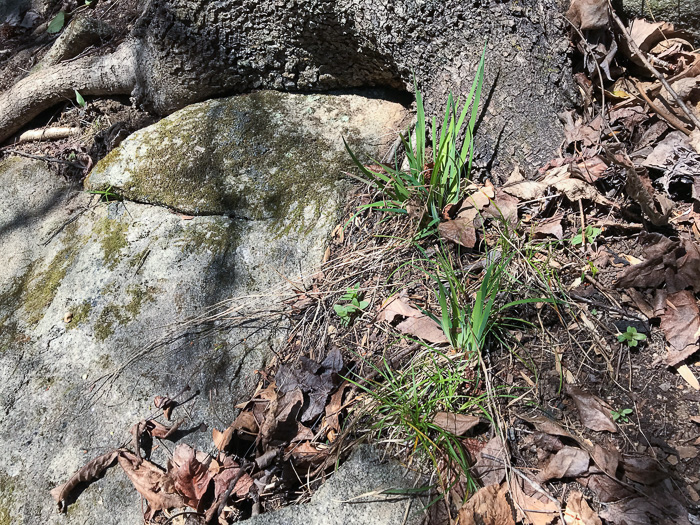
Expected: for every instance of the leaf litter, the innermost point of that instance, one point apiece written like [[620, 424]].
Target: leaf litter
[[628, 172]]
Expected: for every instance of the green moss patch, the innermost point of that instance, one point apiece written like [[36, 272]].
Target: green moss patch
[[112, 237], [244, 157], [80, 314], [114, 314]]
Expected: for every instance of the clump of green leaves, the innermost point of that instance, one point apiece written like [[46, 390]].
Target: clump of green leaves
[[591, 234], [622, 415], [353, 306], [431, 180], [631, 337]]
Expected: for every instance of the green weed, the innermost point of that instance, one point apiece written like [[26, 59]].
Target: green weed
[[354, 305], [406, 402], [631, 337], [433, 180], [591, 234], [622, 415], [106, 195]]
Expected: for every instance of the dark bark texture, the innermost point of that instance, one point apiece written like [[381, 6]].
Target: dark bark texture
[[189, 50]]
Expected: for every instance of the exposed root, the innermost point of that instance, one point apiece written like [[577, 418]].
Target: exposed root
[[113, 74]]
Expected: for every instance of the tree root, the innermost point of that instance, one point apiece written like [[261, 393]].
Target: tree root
[[113, 74]]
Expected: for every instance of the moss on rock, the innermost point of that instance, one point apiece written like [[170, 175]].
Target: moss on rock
[[262, 156], [80, 314], [116, 314], [112, 236]]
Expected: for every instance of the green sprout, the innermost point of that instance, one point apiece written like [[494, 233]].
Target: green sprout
[[346, 312], [591, 234], [631, 337], [622, 415], [79, 99]]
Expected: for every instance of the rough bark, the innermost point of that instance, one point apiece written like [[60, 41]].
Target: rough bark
[[184, 51]]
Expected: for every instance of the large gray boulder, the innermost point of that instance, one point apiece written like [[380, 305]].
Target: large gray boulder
[[259, 207]]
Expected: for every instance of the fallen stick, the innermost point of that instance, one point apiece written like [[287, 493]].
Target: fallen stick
[[635, 50], [47, 134], [668, 117]]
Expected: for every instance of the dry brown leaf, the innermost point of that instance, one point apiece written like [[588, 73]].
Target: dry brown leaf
[[488, 506], [593, 411], [680, 323], [647, 34], [306, 454], [335, 405], [151, 482], [607, 460], [88, 473], [589, 14], [189, 469], [557, 178], [569, 462], [578, 512], [166, 404], [489, 471], [505, 206], [590, 170], [643, 469], [537, 509], [457, 424], [246, 422], [460, 230], [228, 471], [394, 307], [222, 439], [605, 488], [687, 374], [551, 226], [160, 431], [415, 323], [424, 328], [659, 508]]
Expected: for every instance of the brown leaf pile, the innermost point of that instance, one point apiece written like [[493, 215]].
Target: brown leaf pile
[[284, 423]]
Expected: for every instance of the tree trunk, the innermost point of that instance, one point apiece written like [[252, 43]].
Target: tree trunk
[[183, 51]]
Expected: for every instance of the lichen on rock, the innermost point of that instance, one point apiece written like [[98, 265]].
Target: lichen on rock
[[265, 156]]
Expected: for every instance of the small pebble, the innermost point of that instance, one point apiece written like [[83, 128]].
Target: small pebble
[[665, 386], [68, 317], [672, 459]]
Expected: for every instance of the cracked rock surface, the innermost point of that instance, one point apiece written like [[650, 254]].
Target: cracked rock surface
[[259, 204]]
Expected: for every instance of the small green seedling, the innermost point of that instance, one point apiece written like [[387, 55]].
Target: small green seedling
[[591, 234], [621, 415], [346, 312], [79, 99], [106, 195], [631, 337]]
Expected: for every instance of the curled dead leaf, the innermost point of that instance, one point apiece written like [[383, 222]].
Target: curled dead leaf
[[569, 462], [151, 482], [578, 512], [680, 323], [88, 473]]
